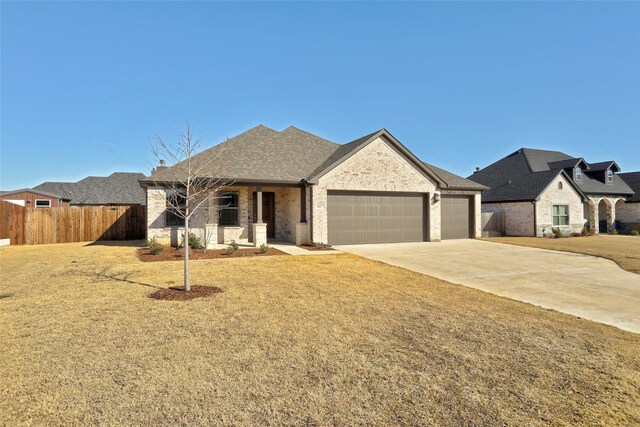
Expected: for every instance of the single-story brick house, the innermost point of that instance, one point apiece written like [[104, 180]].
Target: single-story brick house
[[35, 198], [539, 190], [371, 190]]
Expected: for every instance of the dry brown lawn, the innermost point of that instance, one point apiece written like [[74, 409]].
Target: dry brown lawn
[[314, 340], [624, 250]]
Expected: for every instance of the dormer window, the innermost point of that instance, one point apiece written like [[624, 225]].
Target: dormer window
[[578, 174], [609, 175]]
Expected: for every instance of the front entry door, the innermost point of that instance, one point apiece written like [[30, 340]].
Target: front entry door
[[268, 211]]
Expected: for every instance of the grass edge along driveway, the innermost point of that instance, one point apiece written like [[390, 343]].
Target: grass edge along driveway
[[315, 340]]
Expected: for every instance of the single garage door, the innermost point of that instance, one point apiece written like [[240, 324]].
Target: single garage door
[[456, 217], [357, 217]]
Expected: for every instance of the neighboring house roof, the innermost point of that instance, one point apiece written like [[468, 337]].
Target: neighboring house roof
[[119, 188], [524, 174], [633, 180], [34, 191], [262, 154]]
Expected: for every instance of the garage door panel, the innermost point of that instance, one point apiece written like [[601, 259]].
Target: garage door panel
[[355, 218], [456, 217]]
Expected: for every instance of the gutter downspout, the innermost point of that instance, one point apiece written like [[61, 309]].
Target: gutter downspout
[[310, 219], [535, 220]]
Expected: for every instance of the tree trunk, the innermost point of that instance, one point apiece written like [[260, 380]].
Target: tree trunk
[[187, 285]]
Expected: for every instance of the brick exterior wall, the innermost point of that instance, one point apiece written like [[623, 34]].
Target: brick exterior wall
[[629, 216], [518, 217], [555, 196], [376, 167]]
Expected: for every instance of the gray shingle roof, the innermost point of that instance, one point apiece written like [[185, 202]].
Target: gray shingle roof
[[263, 154], [632, 179], [524, 169], [119, 188], [260, 154], [454, 181]]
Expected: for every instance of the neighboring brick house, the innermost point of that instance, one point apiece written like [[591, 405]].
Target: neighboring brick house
[[539, 190], [371, 190], [629, 212], [117, 189], [33, 198]]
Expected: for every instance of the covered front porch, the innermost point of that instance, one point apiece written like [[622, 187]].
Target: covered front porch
[[600, 213], [257, 214]]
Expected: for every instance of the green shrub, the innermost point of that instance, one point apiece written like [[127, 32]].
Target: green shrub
[[635, 232], [155, 248], [194, 241], [231, 249], [585, 231], [615, 231], [556, 232], [264, 248], [235, 245]]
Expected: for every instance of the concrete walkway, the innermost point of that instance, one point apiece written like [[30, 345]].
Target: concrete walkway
[[586, 286], [291, 249]]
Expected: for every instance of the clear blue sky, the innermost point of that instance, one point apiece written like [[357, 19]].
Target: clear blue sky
[[85, 85]]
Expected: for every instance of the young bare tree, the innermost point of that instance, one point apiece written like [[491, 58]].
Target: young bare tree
[[190, 182]]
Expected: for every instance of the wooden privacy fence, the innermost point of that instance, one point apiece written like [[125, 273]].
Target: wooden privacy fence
[[33, 226], [492, 224]]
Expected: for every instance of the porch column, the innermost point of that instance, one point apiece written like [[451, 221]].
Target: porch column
[[303, 204], [611, 217], [259, 227], [594, 221], [302, 228]]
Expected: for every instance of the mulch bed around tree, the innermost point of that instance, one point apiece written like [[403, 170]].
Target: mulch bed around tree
[[316, 248], [175, 254], [178, 293]]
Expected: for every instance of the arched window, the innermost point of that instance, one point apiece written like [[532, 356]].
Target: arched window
[[560, 185]]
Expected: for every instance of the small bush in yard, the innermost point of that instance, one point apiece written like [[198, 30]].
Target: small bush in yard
[[154, 246], [615, 232], [194, 241], [635, 232], [232, 248], [264, 248], [556, 232], [585, 231]]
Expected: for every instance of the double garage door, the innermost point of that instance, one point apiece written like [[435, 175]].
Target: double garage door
[[360, 218]]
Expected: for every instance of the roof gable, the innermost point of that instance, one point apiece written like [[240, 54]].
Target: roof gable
[[348, 150]]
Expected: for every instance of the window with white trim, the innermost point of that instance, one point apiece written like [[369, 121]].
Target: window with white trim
[[578, 174], [609, 176], [560, 215], [43, 203]]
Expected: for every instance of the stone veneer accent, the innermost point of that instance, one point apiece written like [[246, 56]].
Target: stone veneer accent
[[259, 234], [376, 167]]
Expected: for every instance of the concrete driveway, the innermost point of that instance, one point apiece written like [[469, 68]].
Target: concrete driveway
[[586, 286]]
